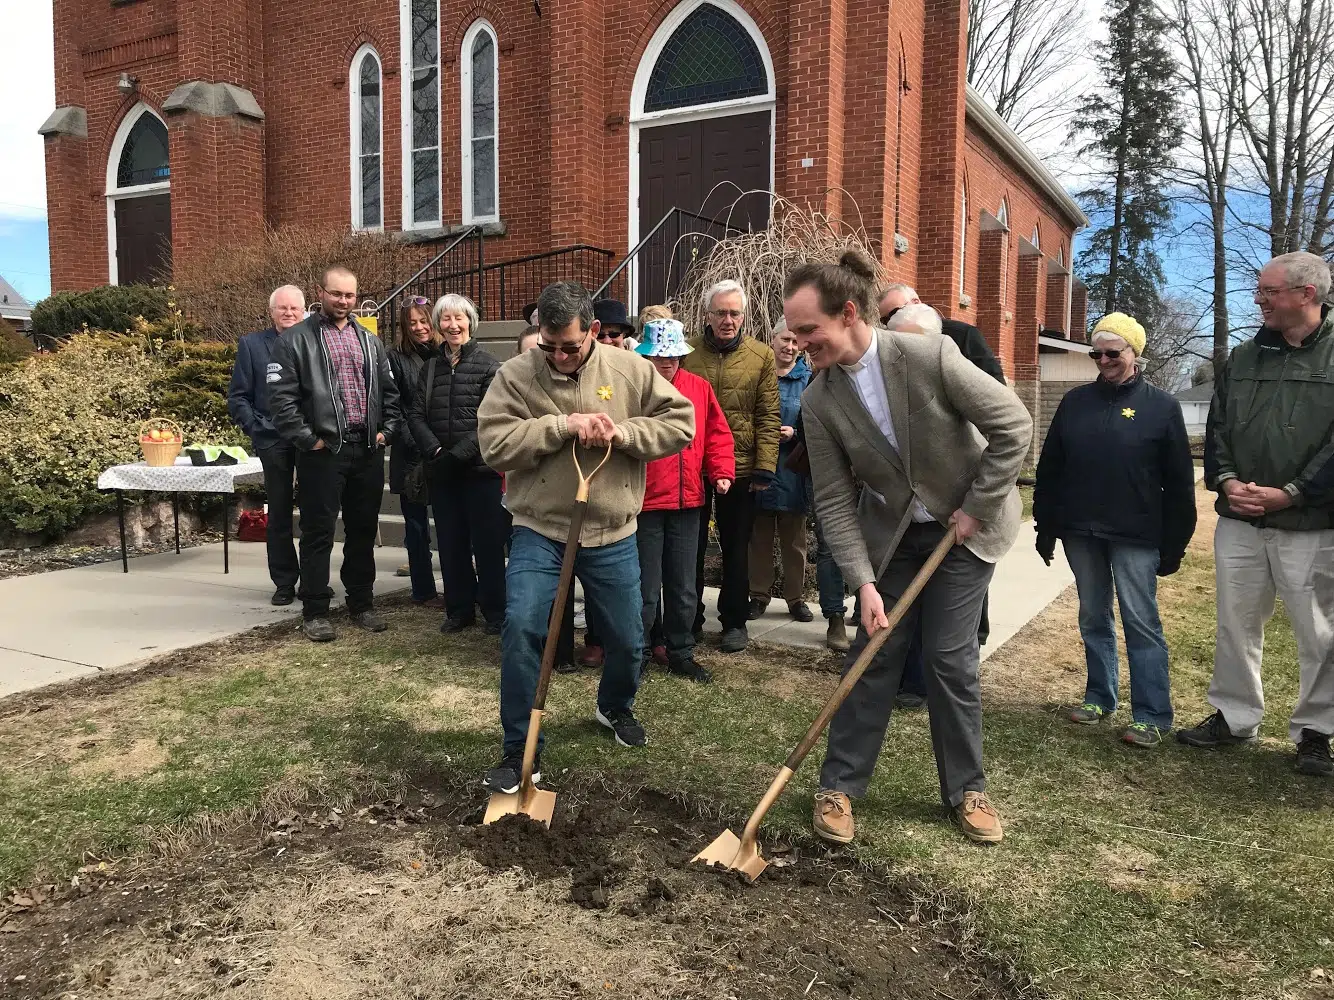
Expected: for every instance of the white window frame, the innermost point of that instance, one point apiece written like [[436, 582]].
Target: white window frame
[[1003, 213], [115, 193], [465, 118], [405, 117], [354, 135], [963, 241], [1036, 238]]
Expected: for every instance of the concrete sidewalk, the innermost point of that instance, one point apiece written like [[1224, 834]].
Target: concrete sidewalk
[[1021, 589], [76, 622]]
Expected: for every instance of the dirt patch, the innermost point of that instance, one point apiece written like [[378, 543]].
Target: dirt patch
[[134, 761], [411, 898]]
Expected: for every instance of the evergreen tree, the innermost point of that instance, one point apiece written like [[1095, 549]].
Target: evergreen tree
[[1133, 127]]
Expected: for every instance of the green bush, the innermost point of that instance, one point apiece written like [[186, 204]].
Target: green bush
[[67, 416], [14, 347], [110, 307]]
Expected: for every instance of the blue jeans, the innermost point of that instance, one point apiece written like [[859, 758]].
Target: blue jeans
[[610, 578], [1098, 565], [828, 578], [417, 540]]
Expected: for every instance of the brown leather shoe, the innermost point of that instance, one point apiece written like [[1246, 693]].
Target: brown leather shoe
[[833, 816], [979, 820]]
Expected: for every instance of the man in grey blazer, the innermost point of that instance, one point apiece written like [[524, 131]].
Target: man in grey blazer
[[931, 441]]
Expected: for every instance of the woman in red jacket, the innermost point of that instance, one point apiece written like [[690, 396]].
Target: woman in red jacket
[[673, 497]]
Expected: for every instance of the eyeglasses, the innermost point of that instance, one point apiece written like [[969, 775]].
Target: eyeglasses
[[610, 334], [884, 320], [1268, 293], [727, 313], [418, 300], [563, 349], [1112, 353]]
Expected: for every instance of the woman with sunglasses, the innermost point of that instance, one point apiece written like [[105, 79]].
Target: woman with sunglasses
[[1116, 484], [414, 341]]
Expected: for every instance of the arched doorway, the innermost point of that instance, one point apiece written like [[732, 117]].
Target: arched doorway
[[701, 116], [139, 200]]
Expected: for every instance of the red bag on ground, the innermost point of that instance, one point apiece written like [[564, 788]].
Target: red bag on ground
[[252, 526]]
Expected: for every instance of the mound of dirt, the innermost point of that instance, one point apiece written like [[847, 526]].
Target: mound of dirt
[[412, 898]]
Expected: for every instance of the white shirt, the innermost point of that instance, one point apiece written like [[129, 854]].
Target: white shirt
[[869, 381]]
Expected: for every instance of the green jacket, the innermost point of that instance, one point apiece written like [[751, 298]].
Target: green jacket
[[746, 385], [1272, 423]]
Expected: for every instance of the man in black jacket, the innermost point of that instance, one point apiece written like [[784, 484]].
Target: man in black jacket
[[248, 403], [334, 400], [972, 344]]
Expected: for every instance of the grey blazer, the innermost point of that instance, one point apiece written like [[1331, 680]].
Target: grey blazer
[[962, 439]]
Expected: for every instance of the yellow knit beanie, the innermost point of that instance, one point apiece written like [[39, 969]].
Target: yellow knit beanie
[[1123, 326]]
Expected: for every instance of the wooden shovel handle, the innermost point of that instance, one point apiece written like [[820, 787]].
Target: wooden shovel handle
[[850, 678]]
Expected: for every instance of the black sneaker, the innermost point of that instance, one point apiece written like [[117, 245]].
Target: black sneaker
[[318, 630], [757, 606], [566, 668], [1212, 732], [800, 611], [690, 670], [1313, 754], [909, 701], [506, 775], [451, 625], [283, 596], [622, 722], [368, 620], [734, 640], [494, 627]]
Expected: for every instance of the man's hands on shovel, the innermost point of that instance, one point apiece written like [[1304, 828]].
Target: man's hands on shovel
[[873, 605], [594, 430]]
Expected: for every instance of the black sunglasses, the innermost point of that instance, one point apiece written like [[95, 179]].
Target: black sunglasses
[[889, 316], [1112, 353], [569, 352]]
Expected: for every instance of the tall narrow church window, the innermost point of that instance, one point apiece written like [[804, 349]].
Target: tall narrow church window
[[367, 153], [709, 58], [1035, 239], [423, 161], [963, 240], [481, 145]]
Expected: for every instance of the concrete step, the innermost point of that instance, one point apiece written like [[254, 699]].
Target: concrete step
[[498, 337]]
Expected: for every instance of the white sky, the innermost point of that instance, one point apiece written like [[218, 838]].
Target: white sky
[[27, 96]]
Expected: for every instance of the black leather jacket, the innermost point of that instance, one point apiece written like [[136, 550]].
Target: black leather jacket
[[305, 405]]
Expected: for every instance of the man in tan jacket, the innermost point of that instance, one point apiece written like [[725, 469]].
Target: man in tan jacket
[[933, 442], [743, 377], [539, 404]]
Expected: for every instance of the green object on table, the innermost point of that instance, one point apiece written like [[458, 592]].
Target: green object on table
[[213, 454]]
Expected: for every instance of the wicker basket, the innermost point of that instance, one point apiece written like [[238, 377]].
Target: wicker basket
[[161, 453]]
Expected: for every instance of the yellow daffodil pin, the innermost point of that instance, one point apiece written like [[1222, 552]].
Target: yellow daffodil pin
[[604, 392], [1128, 413]]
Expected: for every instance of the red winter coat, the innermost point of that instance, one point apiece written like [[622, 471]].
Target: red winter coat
[[676, 482]]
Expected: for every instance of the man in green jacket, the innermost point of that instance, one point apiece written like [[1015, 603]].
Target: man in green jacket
[[1269, 453], [743, 377]]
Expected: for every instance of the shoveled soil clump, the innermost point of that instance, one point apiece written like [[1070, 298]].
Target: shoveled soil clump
[[411, 898]]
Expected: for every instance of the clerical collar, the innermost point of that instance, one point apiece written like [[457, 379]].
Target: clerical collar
[[865, 360]]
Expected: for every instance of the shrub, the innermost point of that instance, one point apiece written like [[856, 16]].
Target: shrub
[[64, 417], [110, 307], [229, 293], [14, 347]]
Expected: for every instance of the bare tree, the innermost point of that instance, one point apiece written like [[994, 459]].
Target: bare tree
[[1175, 343], [1017, 50]]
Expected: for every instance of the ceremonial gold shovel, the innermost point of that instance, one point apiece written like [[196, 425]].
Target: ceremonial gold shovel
[[533, 802], [742, 853]]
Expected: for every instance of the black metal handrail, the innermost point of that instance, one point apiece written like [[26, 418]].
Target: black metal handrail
[[392, 297], [637, 254], [507, 286]]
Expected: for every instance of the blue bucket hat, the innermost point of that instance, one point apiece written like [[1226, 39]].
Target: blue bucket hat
[[663, 338]]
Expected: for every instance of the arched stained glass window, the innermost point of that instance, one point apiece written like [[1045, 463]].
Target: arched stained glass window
[[143, 159], [709, 58], [367, 182], [479, 84]]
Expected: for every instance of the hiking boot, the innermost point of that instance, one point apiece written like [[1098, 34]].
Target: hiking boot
[[1212, 732], [757, 606], [1313, 754], [368, 620], [591, 656], [506, 775], [836, 638], [318, 630], [622, 722], [451, 625], [436, 603], [566, 668], [833, 817], [1142, 734], [660, 655], [494, 627], [909, 701], [283, 596], [690, 670], [1087, 714], [800, 611], [978, 819], [734, 640]]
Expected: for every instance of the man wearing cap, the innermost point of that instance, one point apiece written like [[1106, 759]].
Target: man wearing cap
[[668, 533]]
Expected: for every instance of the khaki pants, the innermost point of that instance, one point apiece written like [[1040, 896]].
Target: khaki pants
[[791, 528], [1252, 565]]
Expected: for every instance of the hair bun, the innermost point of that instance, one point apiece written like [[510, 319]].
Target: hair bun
[[858, 263]]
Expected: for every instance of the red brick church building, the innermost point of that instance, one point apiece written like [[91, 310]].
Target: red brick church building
[[182, 125]]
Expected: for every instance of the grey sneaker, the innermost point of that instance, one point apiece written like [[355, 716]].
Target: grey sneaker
[[368, 620], [1087, 714], [318, 630], [1142, 734], [734, 640]]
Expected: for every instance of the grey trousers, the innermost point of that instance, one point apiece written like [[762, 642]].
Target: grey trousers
[[949, 608]]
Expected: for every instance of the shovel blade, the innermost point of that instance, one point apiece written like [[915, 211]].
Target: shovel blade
[[726, 852], [539, 806]]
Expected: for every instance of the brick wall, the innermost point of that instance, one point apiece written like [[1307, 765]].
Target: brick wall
[[1051, 394]]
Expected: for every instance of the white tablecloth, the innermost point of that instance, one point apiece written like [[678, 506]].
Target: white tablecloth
[[183, 477]]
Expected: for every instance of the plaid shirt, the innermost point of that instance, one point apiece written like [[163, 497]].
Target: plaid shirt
[[349, 365]]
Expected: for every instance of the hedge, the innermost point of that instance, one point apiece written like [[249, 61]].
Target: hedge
[[109, 307]]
